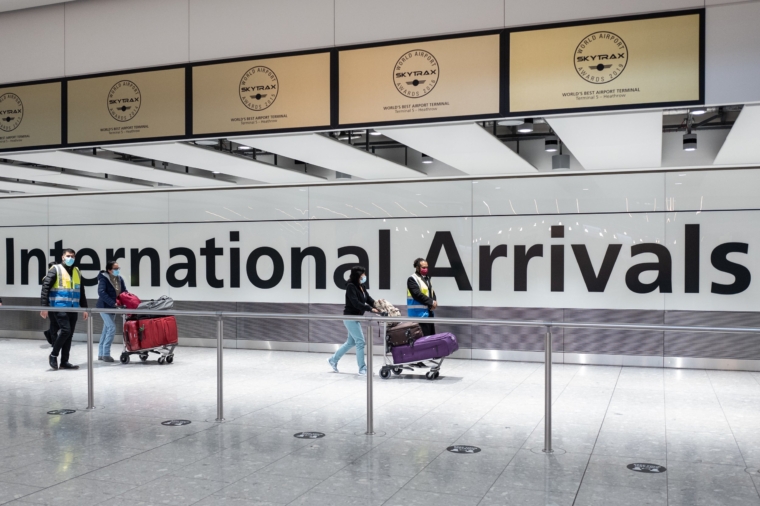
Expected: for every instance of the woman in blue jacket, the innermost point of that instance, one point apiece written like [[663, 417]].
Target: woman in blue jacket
[[110, 285]]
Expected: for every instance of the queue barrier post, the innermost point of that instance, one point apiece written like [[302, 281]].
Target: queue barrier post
[[90, 375], [370, 371], [548, 391], [219, 369]]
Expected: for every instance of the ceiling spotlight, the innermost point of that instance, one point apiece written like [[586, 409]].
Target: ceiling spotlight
[[509, 122], [560, 162], [244, 148], [689, 142], [215, 172], [207, 142], [344, 136], [526, 127], [426, 158], [373, 132], [551, 144], [698, 111]]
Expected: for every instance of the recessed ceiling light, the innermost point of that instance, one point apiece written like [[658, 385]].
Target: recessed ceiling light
[[551, 144], [698, 111], [426, 158], [509, 122], [244, 148], [526, 127], [207, 142], [373, 132], [216, 172]]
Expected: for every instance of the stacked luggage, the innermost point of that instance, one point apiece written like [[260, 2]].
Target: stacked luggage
[[145, 334], [409, 349]]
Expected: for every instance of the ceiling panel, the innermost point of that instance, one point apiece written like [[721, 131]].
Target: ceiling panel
[[613, 141], [48, 176], [466, 147], [200, 158], [741, 145], [86, 163], [31, 188], [331, 154]]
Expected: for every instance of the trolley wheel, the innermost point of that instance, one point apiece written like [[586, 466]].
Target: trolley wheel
[[161, 360], [384, 373], [169, 359], [143, 356], [430, 375], [124, 358], [397, 370], [436, 375]]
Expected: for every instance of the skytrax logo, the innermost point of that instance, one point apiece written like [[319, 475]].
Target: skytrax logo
[[258, 88], [11, 112], [124, 101], [601, 57], [416, 73]]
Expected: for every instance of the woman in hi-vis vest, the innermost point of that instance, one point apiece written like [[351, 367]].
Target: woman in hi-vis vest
[[420, 296]]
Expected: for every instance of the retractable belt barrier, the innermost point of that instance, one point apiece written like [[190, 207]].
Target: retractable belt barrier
[[381, 322]]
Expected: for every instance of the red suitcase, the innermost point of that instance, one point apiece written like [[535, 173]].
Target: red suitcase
[[150, 333]]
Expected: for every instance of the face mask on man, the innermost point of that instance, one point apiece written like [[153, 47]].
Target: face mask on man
[[424, 271], [69, 261], [116, 272], [363, 279]]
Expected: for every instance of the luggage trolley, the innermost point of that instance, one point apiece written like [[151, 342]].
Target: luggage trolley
[[162, 341], [433, 349]]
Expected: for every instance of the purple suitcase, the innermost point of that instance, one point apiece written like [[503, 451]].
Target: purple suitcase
[[426, 348]]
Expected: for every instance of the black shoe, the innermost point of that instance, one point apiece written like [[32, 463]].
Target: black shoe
[[420, 364], [48, 337], [53, 362], [67, 365], [107, 358]]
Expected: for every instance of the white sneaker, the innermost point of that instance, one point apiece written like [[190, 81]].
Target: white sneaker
[[332, 364], [363, 372]]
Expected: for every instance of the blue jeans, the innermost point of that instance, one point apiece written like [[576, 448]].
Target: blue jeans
[[106, 337], [355, 338]]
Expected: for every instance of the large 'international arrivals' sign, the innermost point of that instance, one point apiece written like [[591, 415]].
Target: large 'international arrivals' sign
[[643, 61], [30, 116], [420, 80], [141, 105], [266, 94]]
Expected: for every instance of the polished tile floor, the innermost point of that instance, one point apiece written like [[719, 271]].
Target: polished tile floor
[[703, 426]]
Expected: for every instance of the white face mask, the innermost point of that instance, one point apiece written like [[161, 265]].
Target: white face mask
[[363, 279]]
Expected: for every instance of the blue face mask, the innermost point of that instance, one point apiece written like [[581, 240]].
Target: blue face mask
[[69, 261], [363, 279], [116, 272]]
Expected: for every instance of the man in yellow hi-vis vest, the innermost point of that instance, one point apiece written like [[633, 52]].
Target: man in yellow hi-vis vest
[[62, 288]]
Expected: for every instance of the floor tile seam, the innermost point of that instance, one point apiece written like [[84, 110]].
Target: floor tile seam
[[585, 469], [526, 438], [438, 493], [709, 379]]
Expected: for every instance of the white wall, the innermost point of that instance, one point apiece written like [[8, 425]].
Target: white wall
[[89, 36], [598, 211]]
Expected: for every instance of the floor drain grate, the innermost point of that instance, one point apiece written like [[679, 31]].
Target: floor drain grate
[[309, 435], [61, 411], [176, 423], [463, 449], [646, 468]]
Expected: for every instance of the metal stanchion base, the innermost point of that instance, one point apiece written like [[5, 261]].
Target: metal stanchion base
[[378, 433], [554, 451], [214, 420]]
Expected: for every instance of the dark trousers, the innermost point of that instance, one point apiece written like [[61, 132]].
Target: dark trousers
[[67, 322], [53, 330], [428, 329]]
